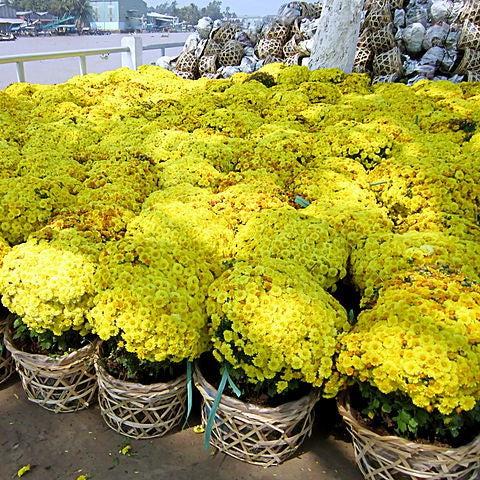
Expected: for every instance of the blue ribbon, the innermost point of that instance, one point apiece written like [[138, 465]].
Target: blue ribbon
[[189, 392], [301, 202], [213, 411]]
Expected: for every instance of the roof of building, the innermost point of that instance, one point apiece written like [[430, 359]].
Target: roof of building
[[160, 15], [12, 21]]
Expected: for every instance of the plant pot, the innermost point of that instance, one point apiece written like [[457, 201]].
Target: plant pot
[[257, 435], [7, 365], [393, 458], [62, 385], [141, 411]]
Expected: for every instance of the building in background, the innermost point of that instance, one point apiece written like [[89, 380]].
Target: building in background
[[8, 18], [160, 22], [118, 15]]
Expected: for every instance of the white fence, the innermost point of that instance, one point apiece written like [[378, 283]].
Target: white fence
[[131, 49]]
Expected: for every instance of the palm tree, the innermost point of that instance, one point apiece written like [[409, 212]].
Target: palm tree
[[80, 9]]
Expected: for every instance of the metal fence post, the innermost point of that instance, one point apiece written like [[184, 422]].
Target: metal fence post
[[83, 65], [20, 71], [133, 58]]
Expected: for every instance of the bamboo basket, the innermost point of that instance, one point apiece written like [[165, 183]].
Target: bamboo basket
[[471, 11], [388, 63], [7, 365], [473, 76], [393, 458], [62, 385], [141, 411], [469, 36], [382, 40], [257, 435], [470, 62]]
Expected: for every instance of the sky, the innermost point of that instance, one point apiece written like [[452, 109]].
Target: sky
[[240, 7]]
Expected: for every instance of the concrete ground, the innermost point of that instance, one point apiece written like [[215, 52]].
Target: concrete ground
[[63, 447]]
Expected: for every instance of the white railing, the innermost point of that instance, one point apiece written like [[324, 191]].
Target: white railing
[[131, 49]]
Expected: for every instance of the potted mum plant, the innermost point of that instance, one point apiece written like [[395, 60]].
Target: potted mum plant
[[274, 336], [413, 366]]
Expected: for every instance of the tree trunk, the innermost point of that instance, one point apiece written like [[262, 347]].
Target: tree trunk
[[335, 42]]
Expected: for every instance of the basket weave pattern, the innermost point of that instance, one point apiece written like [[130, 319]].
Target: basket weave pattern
[[61, 385], [470, 36], [141, 411], [393, 458], [257, 435], [7, 366]]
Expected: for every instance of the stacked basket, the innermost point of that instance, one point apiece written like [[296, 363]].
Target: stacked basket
[[469, 42]]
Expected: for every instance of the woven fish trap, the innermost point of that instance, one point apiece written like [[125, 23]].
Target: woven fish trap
[[473, 76], [257, 435], [7, 365], [232, 54], [141, 411], [187, 62], [393, 458], [294, 60], [386, 79], [363, 57], [207, 64], [61, 385], [212, 48], [378, 18], [470, 62], [311, 10], [469, 36], [185, 75], [388, 63], [292, 48], [225, 33], [382, 40], [270, 47], [277, 31], [471, 11]]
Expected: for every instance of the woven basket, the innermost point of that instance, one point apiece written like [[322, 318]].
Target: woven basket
[[470, 62], [388, 63], [232, 54], [469, 36], [208, 64], [187, 62], [225, 33], [291, 48], [61, 385], [257, 435], [270, 47], [185, 75], [382, 40], [277, 31], [473, 76], [141, 411], [294, 60], [7, 365], [312, 10], [471, 11], [378, 18], [212, 48], [392, 458], [363, 57]]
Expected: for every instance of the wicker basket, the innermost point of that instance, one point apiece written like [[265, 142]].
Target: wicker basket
[[382, 40], [208, 64], [7, 365], [291, 48], [471, 11], [256, 435], [378, 18], [473, 76], [231, 54], [393, 458], [61, 385], [294, 60], [277, 31], [225, 33], [270, 47], [185, 75], [363, 57], [470, 62], [212, 48], [187, 62], [469, 36], [388, 63], [141, 411]]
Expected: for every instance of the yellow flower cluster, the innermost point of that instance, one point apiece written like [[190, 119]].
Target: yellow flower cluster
[[274, 326], [296, 239], [422, 338]]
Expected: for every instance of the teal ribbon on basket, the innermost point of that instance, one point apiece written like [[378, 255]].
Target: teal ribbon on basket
[[189, 392], [213, 411]]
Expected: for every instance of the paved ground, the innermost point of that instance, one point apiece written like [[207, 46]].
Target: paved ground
[[62, 447]]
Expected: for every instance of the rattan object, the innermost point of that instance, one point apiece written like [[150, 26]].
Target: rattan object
[[470, 62], [257, 435], [187, 62], [392, 458], [382, 40], [185, 75], [473, 76], [208, 64], [388, 63], [231, 54], [469, 36], [471, 11], [291, 48], [277, 31], [141, 411], [225, 33], [7, 365], [363, 57], [61, 385], [212, 48], [378, 18], [270, 47], [294, 60]]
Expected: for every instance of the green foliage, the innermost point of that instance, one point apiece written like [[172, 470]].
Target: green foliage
[[191, 14], [400, 416]]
